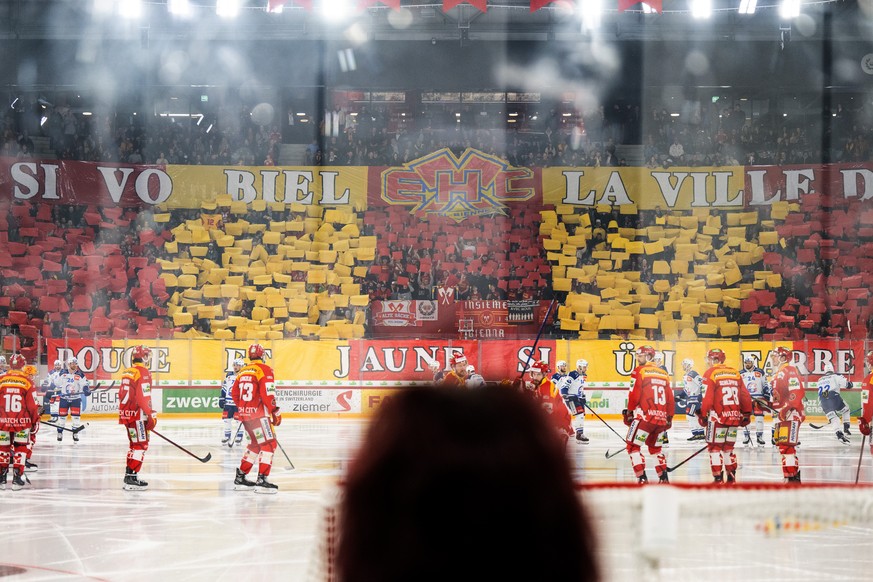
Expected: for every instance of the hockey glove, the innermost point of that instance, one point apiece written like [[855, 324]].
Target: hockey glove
[[152, 421], [276, 417], [86, 391], [221, 403], [747, 419], [701, 420], [669, 423], [849, 384], [864, 427], [627, 416]]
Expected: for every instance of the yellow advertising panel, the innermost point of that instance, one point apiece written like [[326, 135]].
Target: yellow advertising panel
[[674, 188], [341, 187]]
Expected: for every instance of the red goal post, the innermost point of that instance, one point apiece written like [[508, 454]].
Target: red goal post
[[691, 532]]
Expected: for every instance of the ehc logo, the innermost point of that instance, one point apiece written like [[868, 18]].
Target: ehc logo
[[475, 184]]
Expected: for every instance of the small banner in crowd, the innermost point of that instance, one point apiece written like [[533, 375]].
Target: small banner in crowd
[[521, 311]]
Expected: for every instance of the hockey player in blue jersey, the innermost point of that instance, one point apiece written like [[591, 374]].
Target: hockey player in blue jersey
[[759, 389], [832, 403], [227, 405], [572, 389], [692, 383]]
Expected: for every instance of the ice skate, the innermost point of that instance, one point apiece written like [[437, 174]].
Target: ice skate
[[60, 436], [32, 467], [697, 437], [580, 436], [664, 478], [133, 483], [747, 439], [794, 478], [761, 442], [718, 478], [642, 479], [846, 427], [264, 486], [75, 437], [225, 440], [731, 476], [3, 474], [17, 480], [241, 483], [842, 438]]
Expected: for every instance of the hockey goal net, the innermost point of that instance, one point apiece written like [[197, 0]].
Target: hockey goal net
[[686, 532]]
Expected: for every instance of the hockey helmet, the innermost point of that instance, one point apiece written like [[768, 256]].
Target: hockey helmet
[[687, 364], [458, 358], [540, 367], [749, 358], [716, 355], [658, 357], [2, 360], [29, 370], [784, 353], [238, 363], [827, 368], [72, 362], [17, 362], [58, 364], [140, 353], [647, 351], [869, 358], [580, 364], [470, 368], [256, 352], [434, 366]]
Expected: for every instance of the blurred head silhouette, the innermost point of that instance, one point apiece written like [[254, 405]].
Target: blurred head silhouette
[[462, 485]]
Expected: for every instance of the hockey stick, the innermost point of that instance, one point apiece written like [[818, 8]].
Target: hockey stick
[[600, 418], [694, 454], [860, 456], [76, 430], [233, 440], [281, 448], [536, 341], [183, 449], [107, 387], [816, 426]]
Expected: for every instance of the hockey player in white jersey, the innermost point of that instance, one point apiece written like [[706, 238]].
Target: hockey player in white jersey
[[51, 386], [664, 439], [74, 389], [759, 389], [572, 389], [692, 383], [227, 405], [474, 380], [832, 403]]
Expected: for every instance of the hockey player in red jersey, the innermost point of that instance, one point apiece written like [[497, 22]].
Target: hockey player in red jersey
[[788, 403], [550, 398], [649, 412], [30, 371], [726, 406], [254, 392], [457, 376], [867, 400], [18, 415], [135, 412]]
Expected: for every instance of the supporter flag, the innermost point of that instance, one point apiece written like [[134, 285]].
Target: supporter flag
[[446, 295], [626, 4], [480, 4], [519, 312]]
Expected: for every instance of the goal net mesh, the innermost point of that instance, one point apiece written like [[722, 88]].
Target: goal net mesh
[[692, 532]]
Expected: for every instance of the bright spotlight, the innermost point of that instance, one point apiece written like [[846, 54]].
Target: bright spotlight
[[336, 10], [592, 12], [130, 9], [789, 9], [701, 8], [227, 8], [179, 7], [748, 6]]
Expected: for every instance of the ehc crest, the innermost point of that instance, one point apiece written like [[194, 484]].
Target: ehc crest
[[475, 184]]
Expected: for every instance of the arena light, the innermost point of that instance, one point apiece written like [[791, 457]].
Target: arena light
[[336, 10], [701, 9], [130, 9], [227, 8], [592, 13], [180, 8], [789, 9], [748, 6], [648, 9]]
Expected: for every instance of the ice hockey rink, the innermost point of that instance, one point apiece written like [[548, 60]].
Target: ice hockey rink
[[74, 521]]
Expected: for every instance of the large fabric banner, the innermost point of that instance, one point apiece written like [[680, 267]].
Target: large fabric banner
[[682, 188]]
